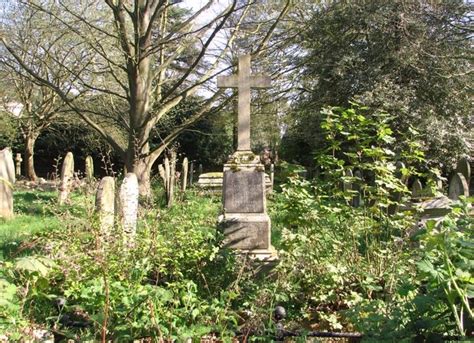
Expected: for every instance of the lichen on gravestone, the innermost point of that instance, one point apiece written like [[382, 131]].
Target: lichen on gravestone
[[458, 186], [89, 169], [416, 189], [67, 178], [129, 192], [18, 161], [464, 168], [184, 176], [105, 205], [7, 180]]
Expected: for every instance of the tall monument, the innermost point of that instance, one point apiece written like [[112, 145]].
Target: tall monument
[[246, 222]]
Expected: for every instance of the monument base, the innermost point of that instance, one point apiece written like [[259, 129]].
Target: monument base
[[246, 231]]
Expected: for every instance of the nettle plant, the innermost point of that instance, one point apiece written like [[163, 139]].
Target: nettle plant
[[334, 255]]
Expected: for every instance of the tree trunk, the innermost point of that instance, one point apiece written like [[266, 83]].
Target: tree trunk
[[30, 172], [143, 170]]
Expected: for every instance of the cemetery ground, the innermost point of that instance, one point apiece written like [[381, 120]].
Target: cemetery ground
[[340, 268]]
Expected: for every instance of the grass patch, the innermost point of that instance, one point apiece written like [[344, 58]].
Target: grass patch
[[35, 212]]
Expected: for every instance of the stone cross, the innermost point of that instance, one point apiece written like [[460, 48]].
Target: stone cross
[[243, 81]]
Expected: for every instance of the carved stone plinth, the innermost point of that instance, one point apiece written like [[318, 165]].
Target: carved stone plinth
[[245, 223]]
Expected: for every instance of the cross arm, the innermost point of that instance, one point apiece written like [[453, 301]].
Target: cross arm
[[260, 81], [230, 81]]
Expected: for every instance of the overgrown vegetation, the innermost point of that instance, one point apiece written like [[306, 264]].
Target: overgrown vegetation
[[340, 267]]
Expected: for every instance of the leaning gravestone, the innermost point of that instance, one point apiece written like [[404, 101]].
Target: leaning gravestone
[[458, 186], [105, 205], [89, 169], [246, 223], [18, 161], [129, 207], [7, 179], [67, 178]]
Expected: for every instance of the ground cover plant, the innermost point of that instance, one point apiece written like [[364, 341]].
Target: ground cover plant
[[341, 267]]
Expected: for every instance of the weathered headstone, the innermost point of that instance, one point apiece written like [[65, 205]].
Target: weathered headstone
[[191, 173], [246, 223], [166, 163], [129, 207], [18, 161], [272, 174], [357, 200], [199, 169], [464, 168], [7, 180], [184, 174], [105, 205], [458, 186], [89, 169], [172, 178], [416, 189], [67, 178]]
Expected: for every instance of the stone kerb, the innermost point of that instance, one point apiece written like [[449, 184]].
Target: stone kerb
[[129, 192], [67, 177], [7, 180]]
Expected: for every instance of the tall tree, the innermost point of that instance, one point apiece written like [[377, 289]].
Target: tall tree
[[141, 59], [410, 58], [33, 105]]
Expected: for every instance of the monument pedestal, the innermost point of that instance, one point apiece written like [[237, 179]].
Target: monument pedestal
[[246, 224]]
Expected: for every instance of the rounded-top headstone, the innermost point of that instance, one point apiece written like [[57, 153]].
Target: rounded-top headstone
[[185, 174], [89, 169], [67, 169], [67, 174], [105, 204], [458, 186], [7, 179], [7, 165], [18, 161], [416, 189], [464, 168], [129, 192]]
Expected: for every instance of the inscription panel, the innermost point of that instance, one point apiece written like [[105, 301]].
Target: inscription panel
[[244, 192], [247, 235]]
